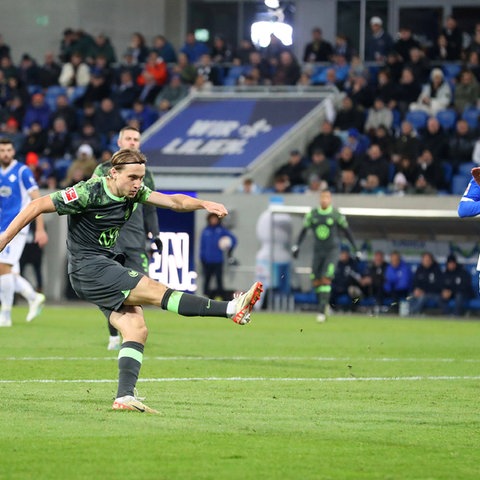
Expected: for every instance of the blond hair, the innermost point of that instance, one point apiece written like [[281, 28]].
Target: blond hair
[[127, 156]]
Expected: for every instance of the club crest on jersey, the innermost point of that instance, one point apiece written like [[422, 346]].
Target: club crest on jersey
[[133, 273], [69, 195]]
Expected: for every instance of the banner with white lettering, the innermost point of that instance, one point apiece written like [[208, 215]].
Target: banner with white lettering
[[223, 133]]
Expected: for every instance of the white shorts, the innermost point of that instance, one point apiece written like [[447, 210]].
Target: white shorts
[[13, 251]]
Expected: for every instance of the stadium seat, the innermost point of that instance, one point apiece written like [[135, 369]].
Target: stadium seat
[[466, 168], [471, 115], [447, 119], [418, 118], [451, 70], [459, 183]]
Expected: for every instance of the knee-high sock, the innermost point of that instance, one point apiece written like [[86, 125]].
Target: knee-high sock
[[130, 359], [323, 294], [193, 305], [24, 288], [7, 291]]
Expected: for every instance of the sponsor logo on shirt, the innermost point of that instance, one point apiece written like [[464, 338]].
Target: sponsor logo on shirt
[[69, 195]]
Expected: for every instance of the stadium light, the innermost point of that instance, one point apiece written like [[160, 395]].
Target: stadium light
[[272, 3], [260, 33]]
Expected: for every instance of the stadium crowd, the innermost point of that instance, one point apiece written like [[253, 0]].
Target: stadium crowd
[[408, 121]]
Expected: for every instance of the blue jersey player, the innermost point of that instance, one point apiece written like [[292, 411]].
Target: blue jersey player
[[17, 189]]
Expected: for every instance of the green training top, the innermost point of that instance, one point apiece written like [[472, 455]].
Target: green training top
[[325, 225], [95, 217]]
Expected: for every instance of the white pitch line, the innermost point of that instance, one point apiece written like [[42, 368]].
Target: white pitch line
[[246, 359], [256, 379]]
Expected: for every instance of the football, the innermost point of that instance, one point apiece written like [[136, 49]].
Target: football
[[225, 243]]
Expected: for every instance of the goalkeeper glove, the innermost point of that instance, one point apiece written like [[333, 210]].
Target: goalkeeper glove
[[157, 242]]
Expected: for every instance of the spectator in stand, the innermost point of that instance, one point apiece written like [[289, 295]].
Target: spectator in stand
[[244, 50], [287, 71], [104, 47], [461, 144], [348, 116], [467, 91], [319, 167], [164, 49], [360, 91], [249, 187], [373, 280], [97, 89], [28, 71], [210, 72], [435, 95], [15, 109], [200, 85], [81, 168], [374, 163], [126, 92], [454, 37], [171, 94], [357, 142], [408, 91], [67, 44], [378, 115], [101, 67], [193, 49], [88, 136], [156, 67], [107, 121], [273, 50], [318, 50], [281, 184], [405, 42], [407, 168], [475, 41], [326, 140], [9, 69], [87, 113], [347, 160], [150, 89], [342, 46], [418, 63], [379, 43], [145, 114], [456, 287], [138, 48], [16, 88], [187, 71], [429, 177], [4, 48], [473, 64], [294, 169], [440, 51], [220, 51], [348, 182], [398, 279], [11, 131], [66, 111], [257, 62], [37, 112], [59, 141], [371, 185], [406, 142], [427, 284], [384, 138], [346, 281], [394, 64], [75, 73], [386, 89], [128, 64], [35, 139], [435, 139]]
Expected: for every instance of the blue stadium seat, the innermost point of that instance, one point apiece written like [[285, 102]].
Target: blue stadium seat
[[418, 118], [451, 70], [459, 183], [471, 115], [447, 119]]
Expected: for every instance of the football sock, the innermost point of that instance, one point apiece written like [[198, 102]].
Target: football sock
[[323, 294], [130, 359], [7, 291], [193, 305], [24, 288]]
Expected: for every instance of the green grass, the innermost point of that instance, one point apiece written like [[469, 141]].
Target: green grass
[[354, 398]]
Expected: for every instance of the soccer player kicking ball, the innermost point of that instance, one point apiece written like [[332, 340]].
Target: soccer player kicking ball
[[97, 210]]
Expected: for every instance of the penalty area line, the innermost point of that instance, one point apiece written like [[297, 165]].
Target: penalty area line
[[256, 379]]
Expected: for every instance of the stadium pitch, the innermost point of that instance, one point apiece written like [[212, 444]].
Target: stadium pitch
[[282, 398]]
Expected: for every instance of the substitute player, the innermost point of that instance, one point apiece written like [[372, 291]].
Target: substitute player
[[97, 209], [325, 222], [17, 189]]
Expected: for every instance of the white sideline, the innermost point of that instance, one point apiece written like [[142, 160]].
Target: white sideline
[[255, 379], [248, 359]]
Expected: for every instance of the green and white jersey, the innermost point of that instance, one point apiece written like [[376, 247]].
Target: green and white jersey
[[95, 217], [325, 225], [144, 220]]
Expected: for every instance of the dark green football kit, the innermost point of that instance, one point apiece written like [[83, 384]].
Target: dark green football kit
[[95, 266]]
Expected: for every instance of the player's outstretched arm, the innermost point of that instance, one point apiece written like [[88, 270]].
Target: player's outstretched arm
[[184, 203], [29, 213]]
